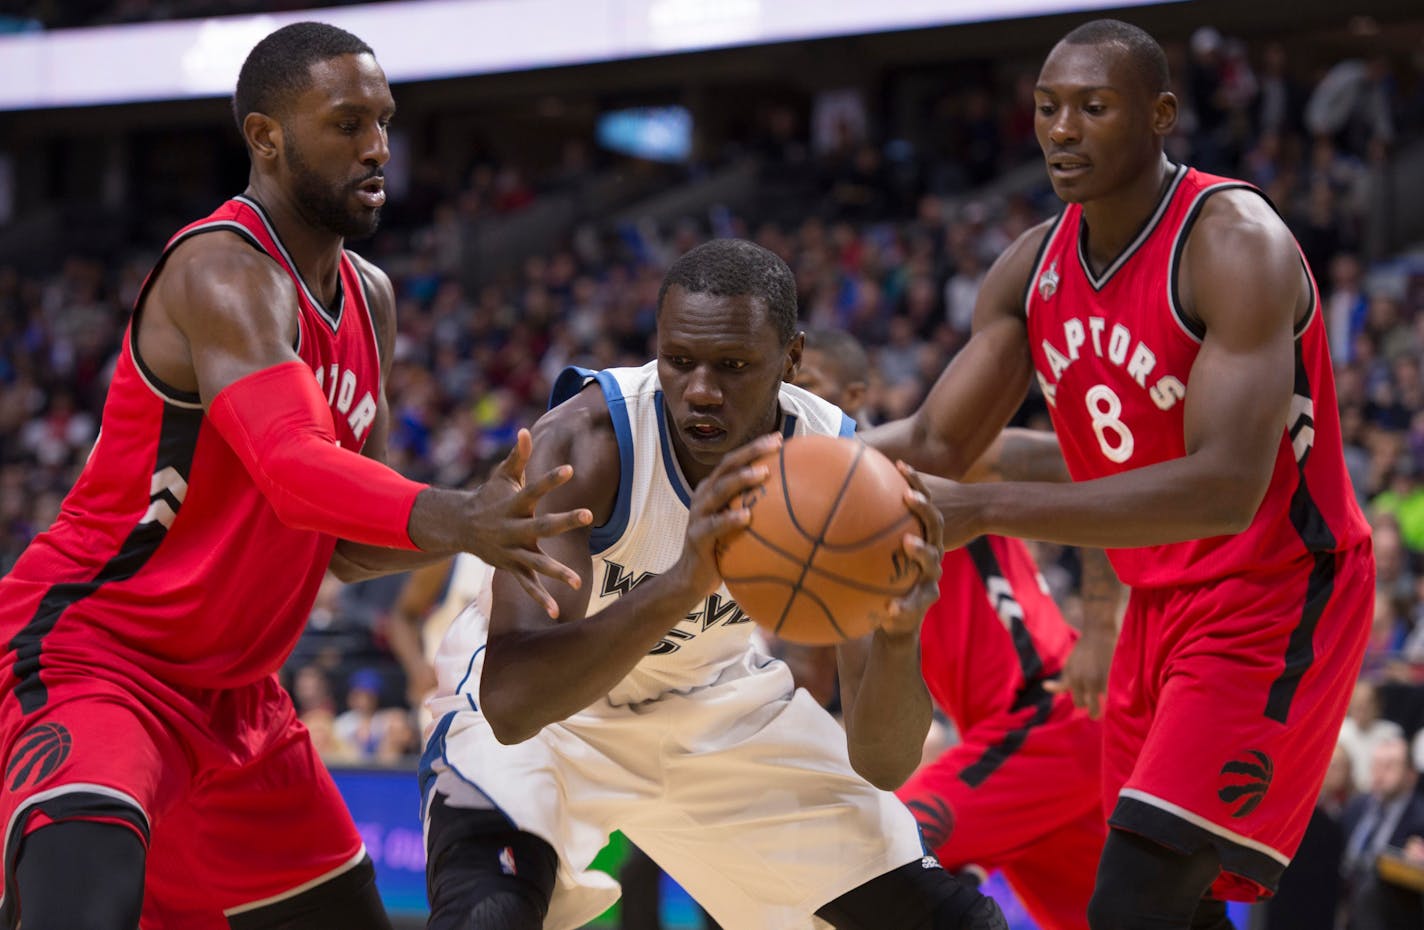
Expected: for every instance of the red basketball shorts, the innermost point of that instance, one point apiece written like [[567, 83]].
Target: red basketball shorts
[[1021, 797], [224, 787], [1224, 707]]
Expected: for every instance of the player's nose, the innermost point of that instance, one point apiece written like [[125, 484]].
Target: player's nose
[[702, 389]]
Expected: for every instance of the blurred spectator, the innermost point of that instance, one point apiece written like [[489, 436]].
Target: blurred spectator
[[1363, 730], [1390, 815]]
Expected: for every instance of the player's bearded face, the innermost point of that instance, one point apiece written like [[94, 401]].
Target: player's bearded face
[[329, 203]]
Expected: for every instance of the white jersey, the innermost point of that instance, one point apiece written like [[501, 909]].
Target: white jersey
[[705, 755], [643, 537]]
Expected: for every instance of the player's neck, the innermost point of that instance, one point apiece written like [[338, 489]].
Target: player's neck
[[316, 251], [1115, 219]]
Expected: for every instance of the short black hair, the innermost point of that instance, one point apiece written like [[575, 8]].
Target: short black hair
[[279, 67], [1149, 62], [737, 268], [843, 350]]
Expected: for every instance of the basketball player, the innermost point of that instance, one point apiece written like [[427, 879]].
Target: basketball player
[[1019, 792], [150, 760], [428, 602], [642, 706], [1175, 330]]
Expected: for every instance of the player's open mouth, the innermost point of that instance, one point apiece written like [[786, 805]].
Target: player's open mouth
[[372, 193], [703, 432], [1068, 167]]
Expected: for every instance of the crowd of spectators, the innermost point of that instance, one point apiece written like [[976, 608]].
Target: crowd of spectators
[[897, 262]]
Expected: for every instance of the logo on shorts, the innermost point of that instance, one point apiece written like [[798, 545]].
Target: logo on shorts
[[506, 861], [935, 818], [37, 754], [1247, 779]]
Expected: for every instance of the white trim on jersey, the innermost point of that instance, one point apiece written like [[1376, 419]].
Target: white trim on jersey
[[1197, 820], [334, 321], [1098, 282], [346, 866]]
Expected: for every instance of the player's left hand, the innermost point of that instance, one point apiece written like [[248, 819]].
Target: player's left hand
[[925, 553], [1085, 671]]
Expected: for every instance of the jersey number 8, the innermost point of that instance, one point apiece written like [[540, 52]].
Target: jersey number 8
[[1105, 408]]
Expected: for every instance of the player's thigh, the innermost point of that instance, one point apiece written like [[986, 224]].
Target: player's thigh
[[258, 833], [775, 820], [1246, 720], [1054, 876], [1004, 788], [92, 751]]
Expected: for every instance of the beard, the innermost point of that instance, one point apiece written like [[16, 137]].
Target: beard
[[326, 205]]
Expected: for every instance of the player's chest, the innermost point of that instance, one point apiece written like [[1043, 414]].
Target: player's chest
[[348, 374]]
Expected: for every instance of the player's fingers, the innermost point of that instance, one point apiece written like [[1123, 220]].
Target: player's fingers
[[535, 588], [927, 556], [533, 490], [552, 524], [538, 561], [726, 488], [513, 464]]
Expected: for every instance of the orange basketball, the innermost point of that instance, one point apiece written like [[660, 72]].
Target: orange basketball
[[822, 558]]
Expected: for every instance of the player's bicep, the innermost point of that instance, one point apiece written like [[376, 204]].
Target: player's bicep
[[236, 310], [1244, 281]]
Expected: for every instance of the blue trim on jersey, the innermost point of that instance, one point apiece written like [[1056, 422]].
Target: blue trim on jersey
[[469, 670], [603, 537], [568, 383], [788, 426], [847, 424], [434, 749], [674, 477]]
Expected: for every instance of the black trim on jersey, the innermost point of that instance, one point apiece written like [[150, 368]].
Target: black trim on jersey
[[1038, 261], [70, 805], [1032, 695], [987, 564], [167, 391], [332, 319], [1315, 534], [177, 438], [1300, 648], [1098, 282], [1175, 832]]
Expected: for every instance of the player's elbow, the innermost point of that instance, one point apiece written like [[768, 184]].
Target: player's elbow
[[510, 719], [883, 770]]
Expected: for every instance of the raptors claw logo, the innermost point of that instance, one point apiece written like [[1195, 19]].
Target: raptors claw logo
[[37, 754], [936, 821], [1249, 781]]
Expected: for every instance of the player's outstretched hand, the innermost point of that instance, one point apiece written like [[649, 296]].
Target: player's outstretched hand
[[926, 553], [1085, 672], [506, 531], [716, 512]]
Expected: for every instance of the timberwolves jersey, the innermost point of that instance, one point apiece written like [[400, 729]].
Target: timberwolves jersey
[[643, 537], [1113, 352]]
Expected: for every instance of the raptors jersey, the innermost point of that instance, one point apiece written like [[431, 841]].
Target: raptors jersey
[[165, 554], [1113, 353], [995, 634], [646, 532]]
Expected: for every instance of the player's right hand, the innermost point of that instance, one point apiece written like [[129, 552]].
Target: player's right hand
[[507, 532], [716, 512]]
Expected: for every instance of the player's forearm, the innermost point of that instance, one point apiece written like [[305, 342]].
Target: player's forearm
[[534, 678], [1164, 503], [889, 712], [355, 561], [1102, 595]]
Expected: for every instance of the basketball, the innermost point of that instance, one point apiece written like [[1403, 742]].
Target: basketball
[[822, 558]]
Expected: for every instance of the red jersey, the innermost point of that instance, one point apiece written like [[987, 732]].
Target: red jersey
[[165, 552], [1113, 353], [994, 635]]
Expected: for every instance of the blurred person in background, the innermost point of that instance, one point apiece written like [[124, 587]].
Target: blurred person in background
[[1389, 816]]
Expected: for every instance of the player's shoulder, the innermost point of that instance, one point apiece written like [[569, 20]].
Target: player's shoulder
[[1237, 227], [1008, 278], [580, 431], [220, 267]]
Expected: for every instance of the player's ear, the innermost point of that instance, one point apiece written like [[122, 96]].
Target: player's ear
[[1164, 113], [263, 135], [794, 348]]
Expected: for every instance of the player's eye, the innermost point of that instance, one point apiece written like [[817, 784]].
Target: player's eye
[[735, 364]]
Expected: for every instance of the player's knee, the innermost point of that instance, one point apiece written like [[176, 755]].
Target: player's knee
[[917, 896], [1142, 883], [484, 874], [81, 875]]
